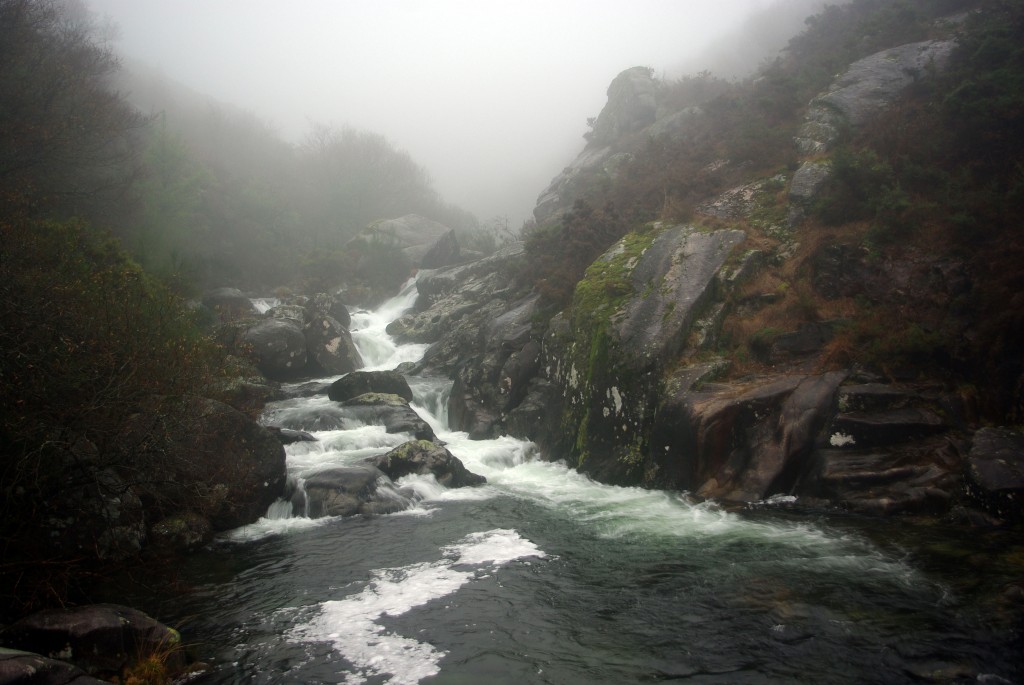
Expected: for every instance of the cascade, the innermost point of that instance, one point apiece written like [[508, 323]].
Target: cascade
[[544, 576]]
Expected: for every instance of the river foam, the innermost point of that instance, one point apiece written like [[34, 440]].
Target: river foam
[[351, 624]]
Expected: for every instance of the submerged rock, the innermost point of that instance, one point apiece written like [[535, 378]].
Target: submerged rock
[[391, 411], [422, 457], [351, 490]]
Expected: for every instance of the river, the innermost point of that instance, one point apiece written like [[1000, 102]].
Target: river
[[544, 576]]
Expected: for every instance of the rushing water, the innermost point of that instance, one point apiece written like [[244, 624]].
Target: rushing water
[[544, 576]]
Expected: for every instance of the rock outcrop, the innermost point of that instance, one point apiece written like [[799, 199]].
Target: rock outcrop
[[99, 639], [422, 242], [422, 457], [866, 88]]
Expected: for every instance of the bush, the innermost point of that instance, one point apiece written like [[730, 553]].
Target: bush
[[87, 337]]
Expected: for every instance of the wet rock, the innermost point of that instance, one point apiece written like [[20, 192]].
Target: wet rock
[[422, 242], [98, 638], [870, 397], [422, 457], [325, 304], [995, 472], [183, 533], [287, 436], [361, 382], [351, 490], [391, 411], [329, 347], [866, 88], [26, 668], [279, 346], [681, 265], [917, 477], [228, 304], [809, 338], [873, 429], [288, 312]]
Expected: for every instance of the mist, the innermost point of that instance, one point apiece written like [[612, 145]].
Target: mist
[[492, 99]]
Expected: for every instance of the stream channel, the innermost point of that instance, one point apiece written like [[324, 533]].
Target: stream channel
[[544, 576]]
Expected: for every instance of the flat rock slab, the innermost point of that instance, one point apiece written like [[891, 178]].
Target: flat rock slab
[[874, 429]]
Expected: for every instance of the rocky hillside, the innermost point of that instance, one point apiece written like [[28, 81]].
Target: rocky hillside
[[798, 286]]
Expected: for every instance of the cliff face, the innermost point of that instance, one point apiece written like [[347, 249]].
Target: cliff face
[[747, 352]]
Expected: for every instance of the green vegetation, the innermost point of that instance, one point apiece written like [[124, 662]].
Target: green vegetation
[[87, 339]]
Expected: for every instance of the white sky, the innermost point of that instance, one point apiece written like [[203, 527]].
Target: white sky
[[491, 97]]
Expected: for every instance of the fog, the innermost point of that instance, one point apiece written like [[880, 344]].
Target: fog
[[492, 98]]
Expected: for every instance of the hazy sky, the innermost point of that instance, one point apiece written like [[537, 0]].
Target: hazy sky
[[491, 97]]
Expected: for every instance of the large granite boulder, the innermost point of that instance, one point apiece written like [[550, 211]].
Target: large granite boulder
[[279, 346], [423, 457], [228, 304], [741, 441], [351, 490], [362, 382], [326, 304], [424, 243], [866, 88], [101, 639], [329, 347], [391, 411], [192, 454]]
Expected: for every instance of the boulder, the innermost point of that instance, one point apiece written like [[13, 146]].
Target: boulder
[[351, 490], [995, 472], [192, 454], [866, 88], [287, 436], [361, 382], [862, 429], [325, 304], [391, 411], [743, 441], [422, 457], [288, 312], [329, 347], [228, 304], [920, 476], [424, 243], [26, 668], [279, 347], [101, 639], [182, 533]]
